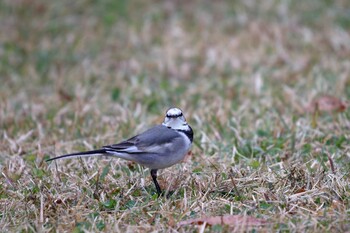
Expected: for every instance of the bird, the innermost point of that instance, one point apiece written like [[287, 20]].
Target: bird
[[159, 147]]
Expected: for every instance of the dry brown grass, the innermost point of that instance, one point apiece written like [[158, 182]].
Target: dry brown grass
[[80, 75]]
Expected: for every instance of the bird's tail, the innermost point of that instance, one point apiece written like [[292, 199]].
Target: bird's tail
[[80, 154]]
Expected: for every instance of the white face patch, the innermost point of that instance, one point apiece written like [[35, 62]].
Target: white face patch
[[174, 119]]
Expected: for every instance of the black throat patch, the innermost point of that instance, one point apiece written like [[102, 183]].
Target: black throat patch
[[188, 133]]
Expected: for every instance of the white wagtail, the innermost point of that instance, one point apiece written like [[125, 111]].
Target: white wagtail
[[158, 147]]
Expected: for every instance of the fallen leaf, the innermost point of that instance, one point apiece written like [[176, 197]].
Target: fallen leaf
[[64, 95], [326, 103], [225, 220], [301, 190]]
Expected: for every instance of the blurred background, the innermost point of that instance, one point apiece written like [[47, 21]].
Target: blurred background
[[86, 68], [161, 53]]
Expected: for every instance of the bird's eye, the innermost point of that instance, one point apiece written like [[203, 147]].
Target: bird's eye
[[174, 116]]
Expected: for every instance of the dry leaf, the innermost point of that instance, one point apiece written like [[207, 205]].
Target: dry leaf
[[301, 190], [230, 220], [64, 95], [326, 103]]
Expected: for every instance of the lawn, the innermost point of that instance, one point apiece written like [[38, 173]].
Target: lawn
[[77, 75]]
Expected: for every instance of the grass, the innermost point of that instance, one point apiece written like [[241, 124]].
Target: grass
[[77, 76]]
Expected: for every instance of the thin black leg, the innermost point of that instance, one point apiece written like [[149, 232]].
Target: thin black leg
[[154, 177]]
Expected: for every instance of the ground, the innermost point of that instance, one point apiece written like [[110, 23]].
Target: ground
[[77, 75]]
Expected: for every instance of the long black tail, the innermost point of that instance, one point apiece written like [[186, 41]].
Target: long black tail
[[80, 154]]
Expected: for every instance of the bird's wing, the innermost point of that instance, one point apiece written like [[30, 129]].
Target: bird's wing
[[152, 140]]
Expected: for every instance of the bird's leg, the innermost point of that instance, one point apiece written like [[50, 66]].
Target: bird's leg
[[154, 177]]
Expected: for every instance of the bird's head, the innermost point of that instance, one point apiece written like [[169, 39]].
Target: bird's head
[[174, 119]]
